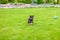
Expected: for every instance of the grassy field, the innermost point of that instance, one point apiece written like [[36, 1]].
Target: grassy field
[[14, 26]]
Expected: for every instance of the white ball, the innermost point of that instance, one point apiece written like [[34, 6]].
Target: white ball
[[55, 17]]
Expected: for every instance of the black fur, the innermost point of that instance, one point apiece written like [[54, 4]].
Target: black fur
[[30, 20]]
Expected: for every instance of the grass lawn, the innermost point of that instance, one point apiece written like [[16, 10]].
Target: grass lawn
[[14, 26]]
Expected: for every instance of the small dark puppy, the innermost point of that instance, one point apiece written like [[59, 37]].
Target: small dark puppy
[[30, 20]]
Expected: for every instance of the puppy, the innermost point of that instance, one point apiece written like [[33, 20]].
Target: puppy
[[30, 20]]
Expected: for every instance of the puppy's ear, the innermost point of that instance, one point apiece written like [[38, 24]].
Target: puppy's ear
[[30, 15], [33, 15]]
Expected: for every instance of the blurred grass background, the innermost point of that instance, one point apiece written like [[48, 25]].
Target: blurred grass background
[[14, 26]]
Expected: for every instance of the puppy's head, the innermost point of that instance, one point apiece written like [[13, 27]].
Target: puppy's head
[[31, 16]]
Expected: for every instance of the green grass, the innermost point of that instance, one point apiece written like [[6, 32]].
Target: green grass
[[14, 26]]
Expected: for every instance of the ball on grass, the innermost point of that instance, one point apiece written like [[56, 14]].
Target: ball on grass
[[55, 17]]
